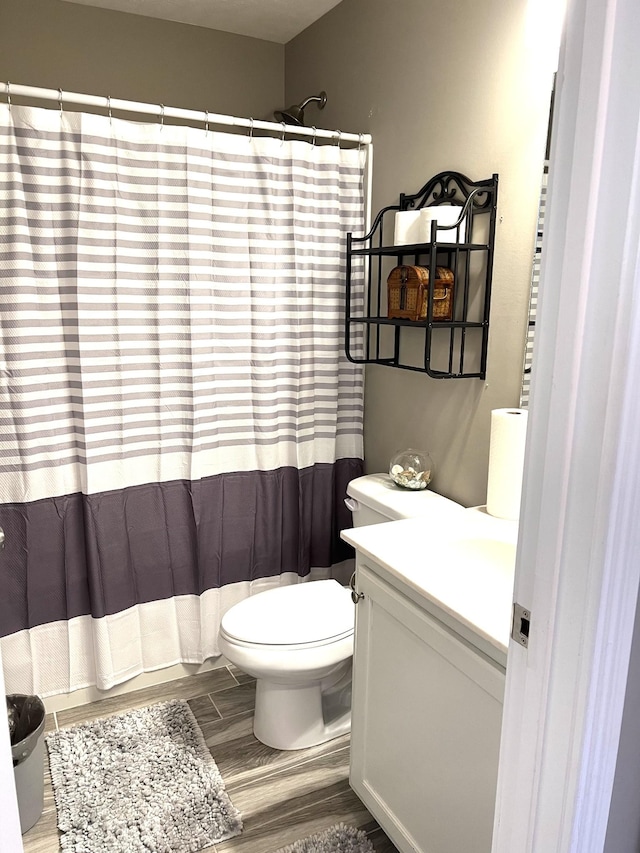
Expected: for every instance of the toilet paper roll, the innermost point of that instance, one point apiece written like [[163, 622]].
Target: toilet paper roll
[[506, 462], [443, 215], [407, 228]]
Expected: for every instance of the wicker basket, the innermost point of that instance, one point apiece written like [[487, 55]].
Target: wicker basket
[[408, 293]]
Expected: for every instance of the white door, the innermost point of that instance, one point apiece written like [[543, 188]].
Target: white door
[[577, 567], [10, 838]]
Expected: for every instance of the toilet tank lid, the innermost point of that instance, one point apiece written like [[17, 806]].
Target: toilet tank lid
[[379, 492], [301, 613]]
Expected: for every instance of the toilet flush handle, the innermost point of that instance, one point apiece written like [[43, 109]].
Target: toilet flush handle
[[351, 504]]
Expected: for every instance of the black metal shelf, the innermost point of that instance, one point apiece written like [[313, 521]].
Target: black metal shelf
[[417, 248], [418, 324], [454, 348]]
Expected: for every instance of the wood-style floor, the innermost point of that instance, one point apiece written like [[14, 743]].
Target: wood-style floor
[[282, 796]]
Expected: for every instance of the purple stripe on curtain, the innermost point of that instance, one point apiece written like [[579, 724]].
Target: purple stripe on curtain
[[102, 553]]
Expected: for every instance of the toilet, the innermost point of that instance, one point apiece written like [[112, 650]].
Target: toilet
[[297, 640]]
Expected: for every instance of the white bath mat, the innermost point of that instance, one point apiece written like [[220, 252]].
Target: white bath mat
[[139, 781], [338, 839]]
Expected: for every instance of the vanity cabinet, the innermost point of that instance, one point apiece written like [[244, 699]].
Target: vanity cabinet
[[426, 717], [451, 347]]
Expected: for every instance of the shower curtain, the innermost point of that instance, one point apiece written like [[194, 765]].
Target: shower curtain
[[179, 421]]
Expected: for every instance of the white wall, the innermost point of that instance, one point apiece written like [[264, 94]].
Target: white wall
[[10, 841], [442, 86]]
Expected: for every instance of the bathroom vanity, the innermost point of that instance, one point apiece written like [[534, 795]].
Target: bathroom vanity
[[432, 627]]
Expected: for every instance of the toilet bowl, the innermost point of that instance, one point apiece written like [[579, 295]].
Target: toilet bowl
[[297, 641]]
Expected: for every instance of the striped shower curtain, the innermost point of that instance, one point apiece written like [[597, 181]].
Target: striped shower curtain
[[178, 419]]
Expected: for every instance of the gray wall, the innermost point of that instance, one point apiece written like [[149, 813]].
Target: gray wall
[[623, 829], [441, 86], [96, 51]]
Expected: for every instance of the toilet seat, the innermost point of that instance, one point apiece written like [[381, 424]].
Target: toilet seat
[[297, 616], [286, 647]]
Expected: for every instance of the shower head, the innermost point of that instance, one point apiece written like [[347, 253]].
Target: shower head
[[295, 113]]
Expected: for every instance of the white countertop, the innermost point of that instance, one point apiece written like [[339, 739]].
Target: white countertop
[[462, 571]]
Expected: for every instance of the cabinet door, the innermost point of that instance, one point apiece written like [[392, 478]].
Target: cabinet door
[[426, 717]]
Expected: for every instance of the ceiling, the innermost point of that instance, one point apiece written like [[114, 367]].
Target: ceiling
[[273, 20]]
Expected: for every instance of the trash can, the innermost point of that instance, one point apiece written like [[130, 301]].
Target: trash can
[[26, 728]]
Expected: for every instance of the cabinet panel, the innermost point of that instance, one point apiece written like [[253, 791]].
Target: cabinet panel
[[427, 711]]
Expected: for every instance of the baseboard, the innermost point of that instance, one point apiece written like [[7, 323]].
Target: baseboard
[[86, 695]]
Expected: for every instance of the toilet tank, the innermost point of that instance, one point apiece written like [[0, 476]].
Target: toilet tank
[[375, 498]]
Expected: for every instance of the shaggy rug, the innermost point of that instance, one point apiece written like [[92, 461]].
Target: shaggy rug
[[338, 839], [139, 781]]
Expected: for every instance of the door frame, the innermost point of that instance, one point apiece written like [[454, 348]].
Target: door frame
[[10, 837], [577, 565]]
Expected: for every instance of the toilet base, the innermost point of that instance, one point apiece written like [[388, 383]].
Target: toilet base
[[296, 716]]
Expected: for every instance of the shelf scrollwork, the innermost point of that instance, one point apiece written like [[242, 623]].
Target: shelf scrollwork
[[447, 186]]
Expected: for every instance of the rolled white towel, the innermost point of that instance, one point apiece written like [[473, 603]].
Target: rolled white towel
[[443, 215], [408, 228]]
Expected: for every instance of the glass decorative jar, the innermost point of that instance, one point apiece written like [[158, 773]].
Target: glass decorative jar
[[411, 469]]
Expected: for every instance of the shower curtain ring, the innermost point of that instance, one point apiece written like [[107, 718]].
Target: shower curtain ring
[[284, 130], [251, 130], [60, 100], [9, 95], [315, 135], [360, 138], [161, 116], [109, 109], [206, 122], [338, 133]]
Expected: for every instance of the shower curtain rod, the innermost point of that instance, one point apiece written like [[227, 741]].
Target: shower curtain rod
[[162, 112]]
